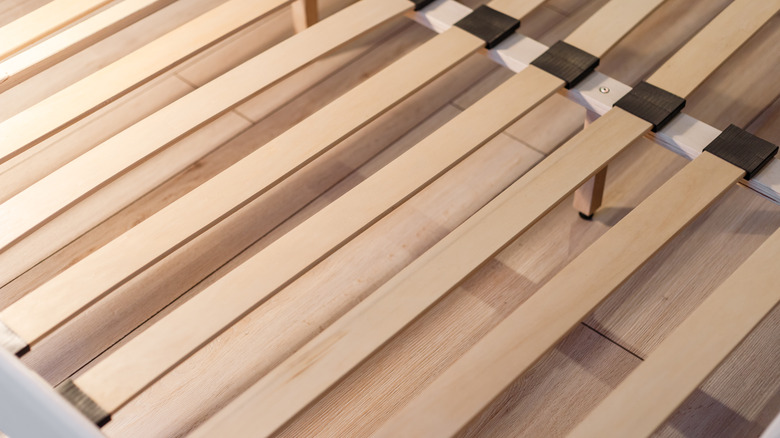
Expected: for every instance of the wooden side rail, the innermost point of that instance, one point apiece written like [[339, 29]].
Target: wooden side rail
[[42, 22], [41, 56], [34, 206], [653, 391], [369, 202]]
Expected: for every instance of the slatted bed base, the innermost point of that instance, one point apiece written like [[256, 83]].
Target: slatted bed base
[[617, 116]]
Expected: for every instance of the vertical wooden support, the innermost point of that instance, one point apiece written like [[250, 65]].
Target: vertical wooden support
[[587, 198], [304, 14]]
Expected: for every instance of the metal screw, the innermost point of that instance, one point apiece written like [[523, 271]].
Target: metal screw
[[604, 90]]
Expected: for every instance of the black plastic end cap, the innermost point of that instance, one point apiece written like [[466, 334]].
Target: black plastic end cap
[[743, 150], [83, 403], [489, 25], [567, 62], [651, 103], [419, 4]]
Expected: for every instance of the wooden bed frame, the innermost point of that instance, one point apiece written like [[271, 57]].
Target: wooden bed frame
[[53, 192]]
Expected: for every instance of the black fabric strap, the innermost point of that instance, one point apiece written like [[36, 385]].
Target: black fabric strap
[[651, 103], [567, 62], [742, 149], [489, 25]]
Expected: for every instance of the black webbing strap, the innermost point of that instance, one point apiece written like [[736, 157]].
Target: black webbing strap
[[742, 149], [489, 25], [567, 62], [651, 103]]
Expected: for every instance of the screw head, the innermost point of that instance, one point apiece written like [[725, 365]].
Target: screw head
[[604, 90]]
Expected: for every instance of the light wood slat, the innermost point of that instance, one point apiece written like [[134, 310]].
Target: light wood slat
[[615, 19], [302, 379], [30, 209], [91, 278], [71, 40], [156, 350], [371, 323], [42, 22], [652, 392], [82, 98], [370, 201], [699, 58], [511, 348], [514, 8]]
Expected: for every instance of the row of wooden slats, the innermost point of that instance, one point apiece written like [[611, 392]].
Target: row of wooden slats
[[661, 294]]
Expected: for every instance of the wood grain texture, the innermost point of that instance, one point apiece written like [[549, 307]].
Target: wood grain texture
[[153, 289], [75, 38], [299, 383], [655, 300], [229, 191], [80, 218], [641, 403], [609, 24], [402, 368], [700, 57], [49, 196], [445, 406], [26, 128], [288, 320], [42, 22]]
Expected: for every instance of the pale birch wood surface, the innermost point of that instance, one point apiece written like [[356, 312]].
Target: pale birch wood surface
[[55, 112], [159, 129], [27, 210], [75, 38], [43, 21], [453, 399], [352, 213], [726, 405], [607, 25], [223, 194], [643, 401], [219, 246], [701, 56]]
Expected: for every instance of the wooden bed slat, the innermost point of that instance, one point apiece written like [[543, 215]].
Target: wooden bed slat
[[470, 384], [653, 391], [41, 56], [40, 202], [298, 385], [693, 63], [367, 203], [513, 346], [82, 98], [42, 22]]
